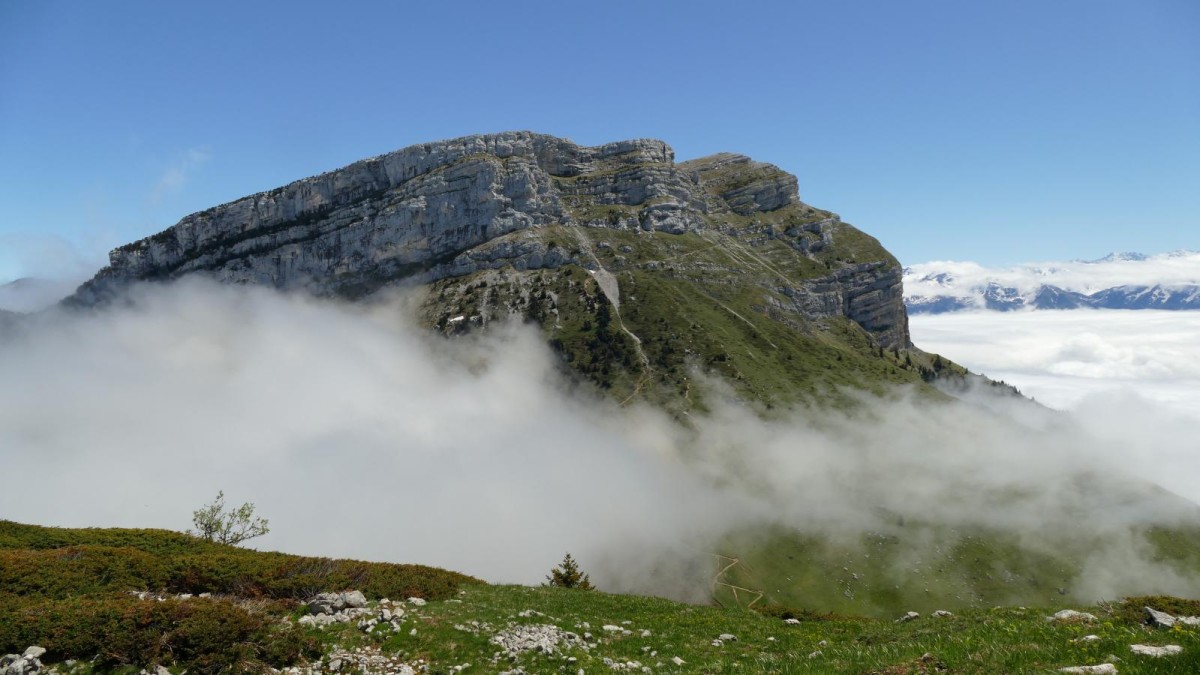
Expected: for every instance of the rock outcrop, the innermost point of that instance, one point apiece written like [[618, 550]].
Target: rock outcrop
[[453, 208]]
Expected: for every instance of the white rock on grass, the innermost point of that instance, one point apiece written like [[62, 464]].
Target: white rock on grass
[[942, 614], [908, 616], [1070, 615], [354, 599], [1101, 669], [1157, 618], [1151, 650]]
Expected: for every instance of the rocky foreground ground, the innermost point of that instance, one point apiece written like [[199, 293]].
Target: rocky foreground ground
[[405, 637]]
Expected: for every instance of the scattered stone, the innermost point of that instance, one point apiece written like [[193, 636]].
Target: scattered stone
[[611, 628], [1101, 669], [354, 599], [1086, 638], [792, 622], [1070, 615], [816, 654], [33, 652], [942, 614], [330, 603], [908, 616], [544, 638], [1151, 650], [367, 660], [677, 661], [727, 637], [416, 602]]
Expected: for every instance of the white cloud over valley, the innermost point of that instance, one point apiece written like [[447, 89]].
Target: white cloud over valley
[[361, 435], [1127, 373]]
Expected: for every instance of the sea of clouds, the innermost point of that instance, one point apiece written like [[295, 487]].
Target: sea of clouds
[[1122, 373], [359, 434]]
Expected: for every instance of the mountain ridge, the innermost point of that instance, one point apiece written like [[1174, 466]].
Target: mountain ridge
[[1169, 281], [517, 212]]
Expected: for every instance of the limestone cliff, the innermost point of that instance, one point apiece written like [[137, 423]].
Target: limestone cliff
[[501, 207]]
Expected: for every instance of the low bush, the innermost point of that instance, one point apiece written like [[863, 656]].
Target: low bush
[[200, 634], [1133, 610], [95, 561], [79, 570], [159, 542]]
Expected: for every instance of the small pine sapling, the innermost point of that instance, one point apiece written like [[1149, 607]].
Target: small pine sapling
[[568, 575]]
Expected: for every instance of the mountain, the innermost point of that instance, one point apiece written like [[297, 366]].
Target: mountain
[[708, 289], [29, 294], [1169, 281], [639, 269]]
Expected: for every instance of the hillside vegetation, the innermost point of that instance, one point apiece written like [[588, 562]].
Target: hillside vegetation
[[69, 591]]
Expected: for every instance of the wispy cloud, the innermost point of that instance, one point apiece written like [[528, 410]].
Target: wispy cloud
[[175, 176]]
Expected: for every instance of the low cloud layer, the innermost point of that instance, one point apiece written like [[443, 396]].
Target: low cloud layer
[[1131, 376], [360, 435]]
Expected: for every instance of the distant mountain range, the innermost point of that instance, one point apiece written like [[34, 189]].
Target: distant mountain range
[[1116, 281]]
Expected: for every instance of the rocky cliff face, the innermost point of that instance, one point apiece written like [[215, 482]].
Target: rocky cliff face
[[509, 204], [444, 209]]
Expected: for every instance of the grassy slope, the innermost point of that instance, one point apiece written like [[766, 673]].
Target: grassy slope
[[919, 567], [68, 590], [675, 296], [977, 641], [116, 632]]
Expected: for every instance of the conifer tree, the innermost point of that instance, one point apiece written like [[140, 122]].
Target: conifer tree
[[568, 575]]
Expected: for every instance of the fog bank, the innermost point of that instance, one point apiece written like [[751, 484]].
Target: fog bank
[[359, 435]]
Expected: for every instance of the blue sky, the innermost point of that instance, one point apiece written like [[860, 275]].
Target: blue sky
[[998, 132]]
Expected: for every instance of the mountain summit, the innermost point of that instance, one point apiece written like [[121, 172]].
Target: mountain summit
[[639, 268]]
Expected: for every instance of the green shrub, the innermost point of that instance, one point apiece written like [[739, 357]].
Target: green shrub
[[97, 561], [159, 542], [1132, 610], [77, 570], [202, 635]]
